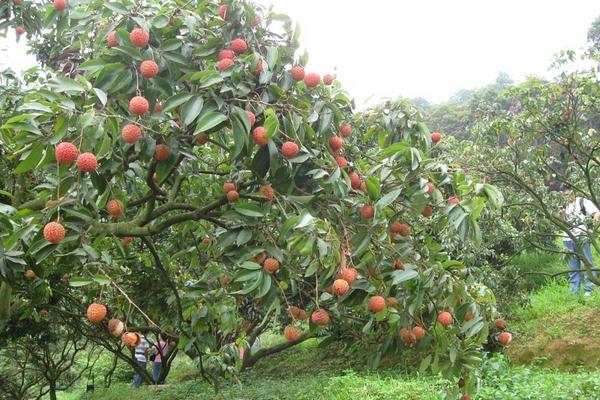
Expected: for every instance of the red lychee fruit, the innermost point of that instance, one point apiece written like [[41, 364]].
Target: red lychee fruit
[[348, 274], [320, 317], [96, 312], [408, 337], [328, 79], [138, 105], [427, 211], [228, 187], [60, 5], [376, 304], [453, 200], [289, 150], [468, 316], [345, 130], [115, 207], [131, 339], [499, 323], [226, 53], [259, 68], [202, 139], [336, 143], [29, 274], [312, 79], [398, 265], [419, 332], [239, 46], [139, 38], [232, 196], [86, 162], [291, 333], [391, 301], [340, 287], [224, 64], [445, 318], [367, 211], [65, 152], [115, 327], [258, 135], [430, 187], [251, 117], [505, 338], [271, 265], [112, 39], [298, 73], [436, 137], [294, 312], [268, 192], [354, 180], [20, 30], [131, 133], [127, 240], [148, 69], [157, 107], [161, 152], [341, 162]]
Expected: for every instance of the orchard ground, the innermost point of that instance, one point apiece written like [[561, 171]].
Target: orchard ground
[[553, 356]]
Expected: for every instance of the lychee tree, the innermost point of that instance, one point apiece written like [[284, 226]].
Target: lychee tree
[[191, 176]]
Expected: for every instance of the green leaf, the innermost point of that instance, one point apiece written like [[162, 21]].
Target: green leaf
[[101, 279], [243, 237], [77, 282], [388, 199], [176, 101], [191, 109], [209, 120], [32, 159], [400, 276], [62, 84], [265, 284], [250, 265], [271, 123], [249, 210], [373, 187]]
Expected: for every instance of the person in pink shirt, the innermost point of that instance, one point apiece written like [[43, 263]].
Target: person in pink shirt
[[160, 349]]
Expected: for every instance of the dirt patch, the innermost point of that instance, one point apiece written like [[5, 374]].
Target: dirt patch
[[564, 342]]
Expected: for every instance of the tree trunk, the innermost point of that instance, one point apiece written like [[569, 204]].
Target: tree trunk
[[52, 392], [251, 359]]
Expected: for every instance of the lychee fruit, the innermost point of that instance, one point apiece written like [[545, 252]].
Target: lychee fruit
[[436, 137], [149, 68], [126, 241], [291, 333], [328, 79], [430, 187], [354, 180], [115, 207], [408, 337], [131, 339], [202, 139], [367, 211], [345, 130], [228, 187], [453, 200], [138, 105], [139, 38], [65, 152], [294, 312], [298, 73], [259, 68], [232, 196], [312, 79], [96, 313], [320, 317], [251, 117], [445, 318], [336, 143], [115, 327], [499, 323], [399, 265], [60, 5], [427, 211], [86, 162], [376, 304], [302, 315], [258, 135], [268, 192], [66, 277], [226, 53], [468, 316], [289, 150], [29, 274], [391, 301], [239, 46], [157, 107], [20, 30], [419, 332], [348, 274], [131, 133], [341, 161], [112, 39], [505, 338], [271, 265], [340, 287], [161, 152], [224, 64], [54, 232]]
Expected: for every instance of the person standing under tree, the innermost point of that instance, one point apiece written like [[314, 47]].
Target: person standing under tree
[[160, 349], [577, 211], [140, 354]]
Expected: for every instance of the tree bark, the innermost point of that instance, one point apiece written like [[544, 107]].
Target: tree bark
[[251, 359]]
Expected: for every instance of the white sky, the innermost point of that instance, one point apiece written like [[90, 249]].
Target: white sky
[[426, 48]]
